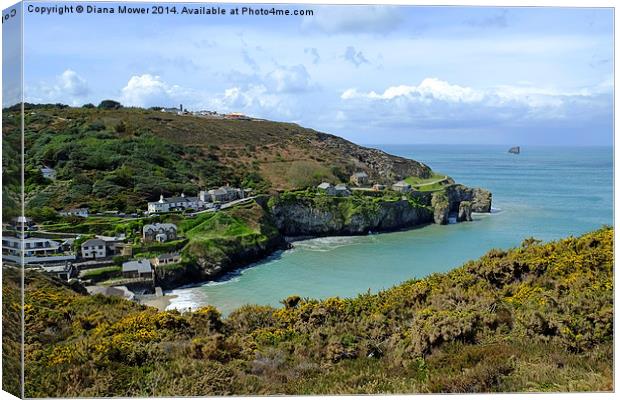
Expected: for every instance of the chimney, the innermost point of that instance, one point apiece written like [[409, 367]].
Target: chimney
[[181, 107], [161, 198], [182, 194]]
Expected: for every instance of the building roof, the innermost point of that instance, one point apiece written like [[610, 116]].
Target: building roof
[[167, 255], [217, 191], [401, 183], [141, 266], [324, 185], [93, 242], [47, 169], [111, 238], [158, 226], [360, 174], [342, 186]]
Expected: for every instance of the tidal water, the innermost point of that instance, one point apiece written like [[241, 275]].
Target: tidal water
[[544, 192]]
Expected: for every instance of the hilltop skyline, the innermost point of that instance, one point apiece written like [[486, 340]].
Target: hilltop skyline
[[369, 74]]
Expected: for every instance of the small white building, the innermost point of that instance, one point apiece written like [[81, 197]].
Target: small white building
[[327, 188], [401, 186], [94, 248]]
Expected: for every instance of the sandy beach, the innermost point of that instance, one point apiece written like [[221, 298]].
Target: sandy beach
[[159, 302]]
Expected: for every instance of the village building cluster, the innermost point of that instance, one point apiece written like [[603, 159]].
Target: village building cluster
[[361, 181], [65, 260], [206, 114], [205, 200]]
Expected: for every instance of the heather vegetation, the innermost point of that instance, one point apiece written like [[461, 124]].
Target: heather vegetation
[[114, 158], [534, 318]]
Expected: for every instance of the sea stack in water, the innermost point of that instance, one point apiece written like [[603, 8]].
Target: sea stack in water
[[464, 213], [515, 150]]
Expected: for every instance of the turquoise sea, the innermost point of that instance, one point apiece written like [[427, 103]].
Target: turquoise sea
[[544, 192]]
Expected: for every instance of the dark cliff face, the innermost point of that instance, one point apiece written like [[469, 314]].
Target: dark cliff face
[[342, 216], [207, 268], [303, 219]]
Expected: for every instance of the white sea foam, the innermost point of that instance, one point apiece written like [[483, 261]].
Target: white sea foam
[[186, 299], [324, 244]]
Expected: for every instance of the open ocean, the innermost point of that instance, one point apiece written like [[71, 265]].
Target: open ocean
[[544, 192]]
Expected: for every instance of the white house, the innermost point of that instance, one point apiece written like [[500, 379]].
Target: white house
[[34, 250], [94, 248], [401, 186], [177, 203]]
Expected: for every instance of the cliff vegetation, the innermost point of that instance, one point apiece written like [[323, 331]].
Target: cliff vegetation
[[538, 317]]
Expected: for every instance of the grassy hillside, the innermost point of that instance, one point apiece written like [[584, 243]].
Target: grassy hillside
[[231, 237], [535, 318], [119, 159]]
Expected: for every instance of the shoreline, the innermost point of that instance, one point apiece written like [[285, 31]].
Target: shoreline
[[159, 302], [289, 245]]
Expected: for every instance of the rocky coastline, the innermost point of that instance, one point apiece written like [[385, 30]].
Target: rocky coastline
[[287, 220]]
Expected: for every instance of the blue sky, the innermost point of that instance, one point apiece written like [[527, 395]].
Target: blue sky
[[370, 74]]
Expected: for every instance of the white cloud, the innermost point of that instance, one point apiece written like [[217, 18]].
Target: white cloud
[[150, 90], [68, 87], [72, 84], [289, 79], [354, 19], [441, 104], [428, 89]]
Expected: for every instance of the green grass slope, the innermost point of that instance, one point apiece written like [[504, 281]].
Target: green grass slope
[[535, 318]]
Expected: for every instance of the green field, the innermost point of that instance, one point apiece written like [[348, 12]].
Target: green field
[[435, 182]]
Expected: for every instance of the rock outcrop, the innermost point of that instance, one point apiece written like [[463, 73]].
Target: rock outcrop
[[441, 208], [464, 213], [480, 198], [339, 216]]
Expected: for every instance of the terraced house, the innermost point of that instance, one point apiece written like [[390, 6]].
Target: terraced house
[[177, 203]]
